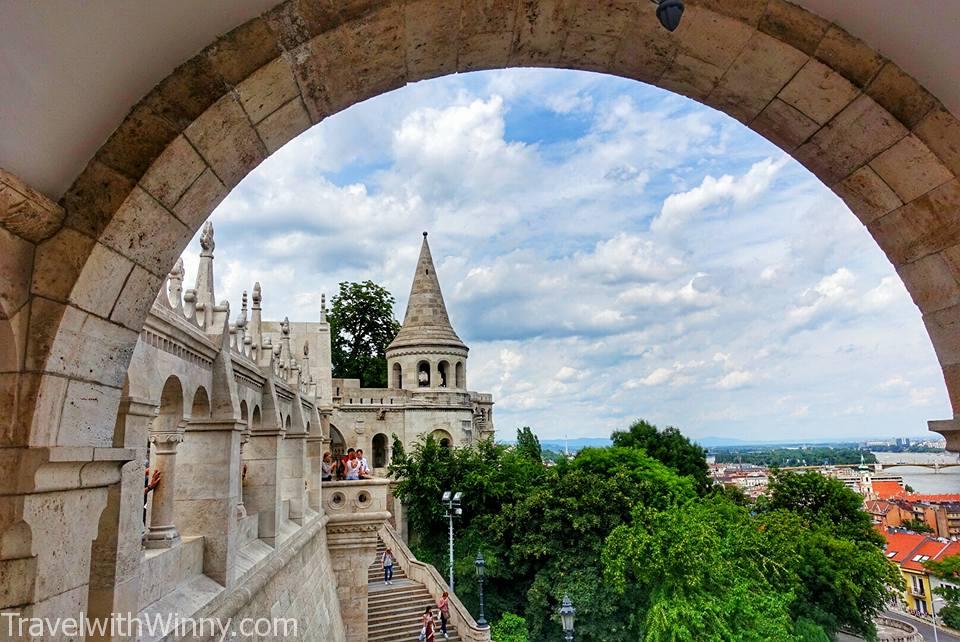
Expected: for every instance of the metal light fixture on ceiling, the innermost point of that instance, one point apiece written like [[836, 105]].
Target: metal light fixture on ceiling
[[669, 13]]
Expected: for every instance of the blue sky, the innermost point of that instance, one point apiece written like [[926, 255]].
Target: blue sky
[[607, 249]]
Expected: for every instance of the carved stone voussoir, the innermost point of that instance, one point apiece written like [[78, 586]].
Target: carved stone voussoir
[[25, 211]]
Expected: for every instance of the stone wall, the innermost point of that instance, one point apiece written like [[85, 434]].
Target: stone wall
[[298, 583]]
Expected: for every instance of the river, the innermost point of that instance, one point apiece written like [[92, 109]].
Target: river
[[923, 480]]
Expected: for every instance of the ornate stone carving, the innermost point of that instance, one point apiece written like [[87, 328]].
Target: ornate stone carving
[[206, 238]]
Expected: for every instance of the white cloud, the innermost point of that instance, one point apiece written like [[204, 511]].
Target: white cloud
[[678, 209], [547, 195], [735, 379]]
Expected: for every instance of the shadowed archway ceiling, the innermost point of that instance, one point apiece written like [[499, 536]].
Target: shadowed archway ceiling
[[70, 71]]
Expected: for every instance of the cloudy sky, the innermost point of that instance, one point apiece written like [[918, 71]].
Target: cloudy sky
[[607, 250]]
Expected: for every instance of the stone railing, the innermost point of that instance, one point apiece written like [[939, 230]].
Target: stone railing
[[356, 500], [892, 630], [435, 584]]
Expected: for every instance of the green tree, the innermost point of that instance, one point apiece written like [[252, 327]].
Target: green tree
[[528, 444], [668, 446], [701, 572], [948, 569], [916, 525], [362, 325], [509, 628], [824, 501], [398, 456]]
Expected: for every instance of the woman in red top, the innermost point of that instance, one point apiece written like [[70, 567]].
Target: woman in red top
[[443, 604]]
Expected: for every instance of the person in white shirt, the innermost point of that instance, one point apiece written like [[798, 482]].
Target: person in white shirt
[[364, 466], [353, 465]]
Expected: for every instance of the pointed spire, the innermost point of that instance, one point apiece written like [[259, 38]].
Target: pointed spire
[[426, 322]]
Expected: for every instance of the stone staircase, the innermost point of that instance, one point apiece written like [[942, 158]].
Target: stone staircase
[[393, 613]]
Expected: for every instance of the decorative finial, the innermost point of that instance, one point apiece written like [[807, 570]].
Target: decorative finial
[[424, 235], [306, 348], [206, 237], [243, 302], [257, 297], [177, 272], [285, 326]]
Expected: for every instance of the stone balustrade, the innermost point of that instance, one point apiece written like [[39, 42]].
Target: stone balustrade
[[357, 511], [428, 575]]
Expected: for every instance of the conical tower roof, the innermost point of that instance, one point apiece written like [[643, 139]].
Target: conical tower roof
[[426, 323]]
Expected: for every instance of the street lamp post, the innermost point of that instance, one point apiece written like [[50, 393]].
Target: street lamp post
[[480, 564], [933, 605], [452, 502], [567, 615]]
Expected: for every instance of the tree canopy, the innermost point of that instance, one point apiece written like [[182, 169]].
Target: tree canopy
[[668, 446], [362, 325], [643, 552]]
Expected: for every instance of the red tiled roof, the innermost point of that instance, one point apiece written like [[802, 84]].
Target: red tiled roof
[[928, 550], [931, 499], [878, 506], [902, 545], [887, 488]]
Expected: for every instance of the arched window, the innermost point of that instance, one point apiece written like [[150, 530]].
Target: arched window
[[379, 450], [423, 374], [460, 376], [201, 404], [397, 376], [255, 421], [444, 368], [289, 423], [444, 438], [337, 445], [245, 414], [171, 407]]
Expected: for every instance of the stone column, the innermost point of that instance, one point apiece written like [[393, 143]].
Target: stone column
[[163, 532], [116, 552], [51, 500], [262, 494], [208, 492], [293, 457]]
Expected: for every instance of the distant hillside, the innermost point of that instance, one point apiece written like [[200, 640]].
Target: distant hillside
[[573, 444]]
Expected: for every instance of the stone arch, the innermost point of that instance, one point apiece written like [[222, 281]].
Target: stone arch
[[255, 420], [461, 376], [855, 119], [200, 409], [397, 376], [380, 447], [443, 370], [288, 423], [423, 374], [338, 446], [170, 414], [245, 414], [443, 437]]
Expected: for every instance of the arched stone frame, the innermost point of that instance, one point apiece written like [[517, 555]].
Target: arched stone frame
[[288, 423], [170, 413], [380, 449], [423, 368], [200, 408], [443, 437], [443, 374], [256, 421], [397, 376], [245, 414], [460, 376], [338, 445]]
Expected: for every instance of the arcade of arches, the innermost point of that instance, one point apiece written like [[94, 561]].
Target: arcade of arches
[[79, 274]]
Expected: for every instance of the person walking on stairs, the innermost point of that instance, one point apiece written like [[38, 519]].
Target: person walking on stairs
[[444, 605], [387, 563], [427, 633]]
